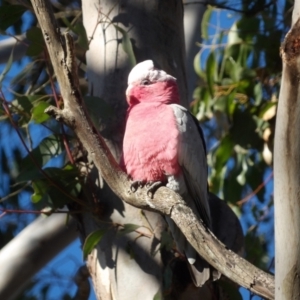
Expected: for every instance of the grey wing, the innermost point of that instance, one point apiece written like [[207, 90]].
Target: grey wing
[[192, 159]]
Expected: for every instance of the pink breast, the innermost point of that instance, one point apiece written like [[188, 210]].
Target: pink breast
[[150, 143]]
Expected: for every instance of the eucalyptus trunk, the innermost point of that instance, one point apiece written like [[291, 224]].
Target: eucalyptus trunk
[[287, 169], [129, 266]]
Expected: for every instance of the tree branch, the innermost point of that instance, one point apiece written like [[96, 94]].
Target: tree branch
[[31, 250], [165, 201], [250, 12], [83, 285]]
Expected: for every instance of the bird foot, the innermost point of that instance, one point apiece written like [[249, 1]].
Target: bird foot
[[152, 187], [135, 185]]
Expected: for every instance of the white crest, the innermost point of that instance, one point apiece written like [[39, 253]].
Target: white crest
[[146, 70]]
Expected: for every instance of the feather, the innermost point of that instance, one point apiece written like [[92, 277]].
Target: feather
[[163, 143]]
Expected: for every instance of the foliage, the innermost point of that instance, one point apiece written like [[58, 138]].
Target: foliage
[[36, 152], [239, 73]]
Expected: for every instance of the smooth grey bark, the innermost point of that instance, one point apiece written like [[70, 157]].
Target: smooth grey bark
[[31, 249], [287, 168], [193, 14], [156, 32]]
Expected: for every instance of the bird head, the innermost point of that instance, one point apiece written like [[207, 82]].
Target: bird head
[[148, 84]]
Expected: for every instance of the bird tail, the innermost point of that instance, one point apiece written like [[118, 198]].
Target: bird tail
[[200, 270]]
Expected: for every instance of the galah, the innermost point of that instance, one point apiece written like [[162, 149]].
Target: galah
[[164, 144]]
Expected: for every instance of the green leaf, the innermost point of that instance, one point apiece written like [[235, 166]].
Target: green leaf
[[98, 109], [166, 241], [58, 197], [221, 104], [10, 14], [223, 153], [22, 103], [66, 173], [26, 103], [56, 188], [241, 178], [7, 67], [205, 22], [40, 188], [211, 66], [233, 36], [32, 174], [128, 228], [82, 41], [233, 69], [38, 112], [49, 147], [202, 106], [91, 242], [36, 39], [127, 45], [197, 65], [265, 108], [35, 198], [217, 180], [258, 93]]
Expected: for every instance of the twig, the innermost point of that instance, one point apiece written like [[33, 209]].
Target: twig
[[14, 193], [249, 12], [64, 137], [253, 193], [7, 111], [38, 212], [82, 281]]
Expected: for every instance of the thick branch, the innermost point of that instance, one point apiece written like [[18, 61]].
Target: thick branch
[[30, 250], [164, 201]]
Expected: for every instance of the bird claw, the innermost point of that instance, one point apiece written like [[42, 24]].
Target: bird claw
[[152, 187], [135, 185]]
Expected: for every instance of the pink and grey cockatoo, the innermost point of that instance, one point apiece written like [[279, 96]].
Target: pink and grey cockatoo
[[163, 143]]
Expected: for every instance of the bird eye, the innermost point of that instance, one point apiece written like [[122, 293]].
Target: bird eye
[[145, 82]]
